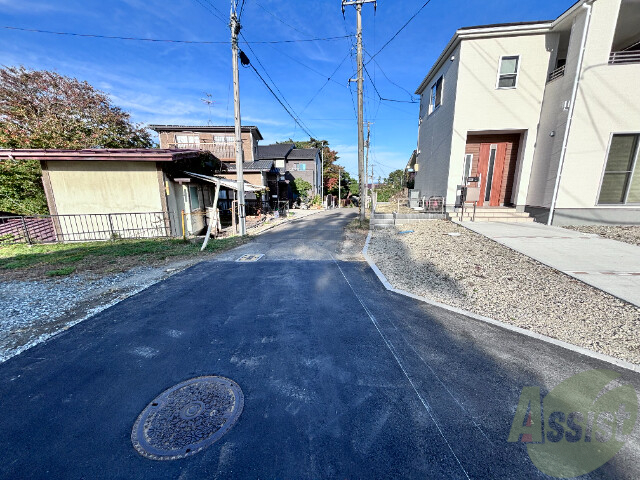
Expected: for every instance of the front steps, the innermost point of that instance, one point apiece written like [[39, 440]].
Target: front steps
[[491, 214]]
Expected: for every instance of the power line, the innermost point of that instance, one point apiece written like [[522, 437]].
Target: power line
[[208, 6], [241, 10], [140, 39], [272, 81], [401, 28], [380, 96], [307, 66], [328, 79], [291, 112], [280, 20], [280, 102], [387, 77]]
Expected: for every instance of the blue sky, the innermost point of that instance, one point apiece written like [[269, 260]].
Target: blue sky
[[165, 82]]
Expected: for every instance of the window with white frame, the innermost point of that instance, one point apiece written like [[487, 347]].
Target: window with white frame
[[508, 71], [224, 139], [187, 141], [436, 95], [621, 178]]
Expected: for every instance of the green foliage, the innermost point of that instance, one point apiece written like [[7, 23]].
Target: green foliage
[[21, 188], [316, 200], [42, 109], [61, 272], [301, 187], [390, 186]]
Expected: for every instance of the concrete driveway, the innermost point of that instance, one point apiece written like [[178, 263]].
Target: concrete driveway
[[609, 265], [341, 378]]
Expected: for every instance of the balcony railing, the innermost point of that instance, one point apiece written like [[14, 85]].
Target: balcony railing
[[220, 150], [628, 56], [557, 73]]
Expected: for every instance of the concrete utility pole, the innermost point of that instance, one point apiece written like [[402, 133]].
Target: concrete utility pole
[[235, 29], [366, 168], [361, 173], [339, 182]]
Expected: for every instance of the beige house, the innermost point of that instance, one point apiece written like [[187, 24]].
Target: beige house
[[546, 115], [101, 193], [219, 140]]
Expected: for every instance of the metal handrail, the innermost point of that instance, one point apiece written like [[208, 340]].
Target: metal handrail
[[557, 73], [628, 56]]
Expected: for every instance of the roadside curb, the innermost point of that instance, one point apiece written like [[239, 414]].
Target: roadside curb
[[506, 326]]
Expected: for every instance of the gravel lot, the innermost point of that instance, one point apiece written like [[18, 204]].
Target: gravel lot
[[626, 234], [471, 272], [35, 310]]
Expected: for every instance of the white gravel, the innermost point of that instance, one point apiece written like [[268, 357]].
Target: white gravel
[[32, 311], [474, 273], [622, 233]]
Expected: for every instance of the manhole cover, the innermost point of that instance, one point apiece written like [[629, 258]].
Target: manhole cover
[[250, 257], [187, 418]]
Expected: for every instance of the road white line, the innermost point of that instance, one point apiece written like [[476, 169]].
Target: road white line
[[506, 326], [391, 348]]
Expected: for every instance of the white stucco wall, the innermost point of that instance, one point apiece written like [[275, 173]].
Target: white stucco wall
[[608, 102], [481, 107]]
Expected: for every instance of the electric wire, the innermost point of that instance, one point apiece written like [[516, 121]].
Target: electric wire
[[401, 29], [141, 39]]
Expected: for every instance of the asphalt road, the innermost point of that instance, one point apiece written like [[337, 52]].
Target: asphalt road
[[341, 378]]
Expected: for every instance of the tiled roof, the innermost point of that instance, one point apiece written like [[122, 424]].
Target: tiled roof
[[303, 154], [259, 166], [278, 150]]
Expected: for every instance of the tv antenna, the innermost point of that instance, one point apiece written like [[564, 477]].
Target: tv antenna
[[209, 102]]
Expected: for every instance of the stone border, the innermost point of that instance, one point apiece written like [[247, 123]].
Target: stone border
[[506, 326]]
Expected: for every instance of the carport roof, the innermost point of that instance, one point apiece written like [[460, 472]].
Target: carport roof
[[102, 154]]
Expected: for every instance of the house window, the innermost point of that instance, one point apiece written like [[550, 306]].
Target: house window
[[468, 160], [621, 179], [194, 198], [508, 72], [279, 163], [436, 95], [302, 167], [224, 139], [187, 141]]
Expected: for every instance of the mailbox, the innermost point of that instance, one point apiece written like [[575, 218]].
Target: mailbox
[[472, 194]]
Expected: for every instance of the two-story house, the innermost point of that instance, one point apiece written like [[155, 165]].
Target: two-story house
[[219, 140], [546, 114], [303, 163]]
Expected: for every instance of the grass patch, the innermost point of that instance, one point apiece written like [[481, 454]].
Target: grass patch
[[358, 226], [61, 272], [65, 258]]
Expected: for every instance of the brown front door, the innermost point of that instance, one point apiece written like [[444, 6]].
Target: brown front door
[[490, 170]]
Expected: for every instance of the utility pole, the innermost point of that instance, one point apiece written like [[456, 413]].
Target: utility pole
[[322, 176], [366, 168], [235, 30], [361, 172], [339, 182]]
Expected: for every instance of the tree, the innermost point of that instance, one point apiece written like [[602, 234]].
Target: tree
[[331, 168], [42, 109], [301, 187], [391, 185]]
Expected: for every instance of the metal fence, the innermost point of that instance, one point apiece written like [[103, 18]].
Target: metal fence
[[83, 227]]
